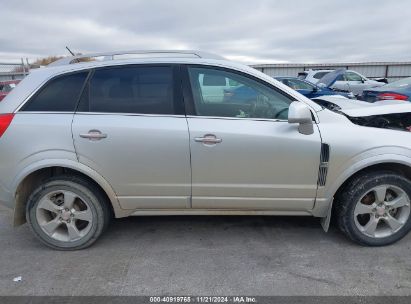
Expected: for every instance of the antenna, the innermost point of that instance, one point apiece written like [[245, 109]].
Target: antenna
[[72, 54]]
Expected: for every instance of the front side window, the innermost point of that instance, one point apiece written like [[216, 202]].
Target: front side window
[[215, 95], [61, 94], [132, 89], [350, 76]]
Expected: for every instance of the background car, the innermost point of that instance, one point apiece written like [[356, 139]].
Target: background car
[[397, 90], [313, 75], [6, 87], [311, 90], [348, 80]]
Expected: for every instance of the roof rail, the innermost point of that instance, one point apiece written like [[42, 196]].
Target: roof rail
[[161, 53]]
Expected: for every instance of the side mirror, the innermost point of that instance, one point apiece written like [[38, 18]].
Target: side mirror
[[299, 113]]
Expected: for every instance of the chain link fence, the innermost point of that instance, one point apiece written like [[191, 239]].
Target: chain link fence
[[13, 71]]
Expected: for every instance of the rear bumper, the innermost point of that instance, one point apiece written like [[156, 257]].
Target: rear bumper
[[6, 198]]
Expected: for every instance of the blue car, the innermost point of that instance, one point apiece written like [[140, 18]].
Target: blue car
[[397, 90], [244, 94], [312, 90]]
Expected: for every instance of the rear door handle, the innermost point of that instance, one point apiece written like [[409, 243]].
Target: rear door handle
[[208, 139], [93, 135]]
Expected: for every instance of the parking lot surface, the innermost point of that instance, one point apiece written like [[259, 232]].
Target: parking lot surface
[[204, 255]]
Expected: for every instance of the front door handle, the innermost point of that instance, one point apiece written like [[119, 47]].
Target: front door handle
[[208, 139], [93, 135]]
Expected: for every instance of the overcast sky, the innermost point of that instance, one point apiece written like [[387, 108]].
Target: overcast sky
[[251, 31]]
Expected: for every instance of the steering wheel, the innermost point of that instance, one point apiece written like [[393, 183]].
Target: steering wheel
[[261, 108]]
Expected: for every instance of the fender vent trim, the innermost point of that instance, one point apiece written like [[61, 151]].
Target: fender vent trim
[[323, 170]]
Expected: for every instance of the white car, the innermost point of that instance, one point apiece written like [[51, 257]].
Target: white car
[[347, 80]]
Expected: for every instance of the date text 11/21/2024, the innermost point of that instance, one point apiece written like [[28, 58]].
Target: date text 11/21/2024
[[203, 299]]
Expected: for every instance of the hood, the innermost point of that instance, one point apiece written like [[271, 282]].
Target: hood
[[357, 108], [329, 79]]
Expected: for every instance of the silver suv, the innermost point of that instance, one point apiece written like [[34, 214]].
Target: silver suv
[[189, 133]]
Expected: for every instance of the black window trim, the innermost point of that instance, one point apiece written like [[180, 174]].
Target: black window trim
[[45, 84], [189, 98], [177, 90]]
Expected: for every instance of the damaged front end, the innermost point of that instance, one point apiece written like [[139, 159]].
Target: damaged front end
[[397, 121], [394, 115]]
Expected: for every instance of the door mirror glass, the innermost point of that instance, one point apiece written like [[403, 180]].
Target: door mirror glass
[[299, 113]]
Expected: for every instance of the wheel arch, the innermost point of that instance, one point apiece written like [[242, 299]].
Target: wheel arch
[[394, 163], [399, 168], [33, 176]]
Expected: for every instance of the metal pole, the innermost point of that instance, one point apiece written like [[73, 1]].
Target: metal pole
[[22, 65]]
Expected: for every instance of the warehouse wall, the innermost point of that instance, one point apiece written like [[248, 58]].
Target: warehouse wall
[[392, 71]]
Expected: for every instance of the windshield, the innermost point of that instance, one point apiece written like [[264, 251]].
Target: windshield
[[297, 84], [403, 83]]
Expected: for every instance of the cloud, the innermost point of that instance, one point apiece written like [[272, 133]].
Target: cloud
[[248, 31]]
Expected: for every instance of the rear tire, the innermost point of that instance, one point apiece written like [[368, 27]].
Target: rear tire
[[374, 208], [67, 213]]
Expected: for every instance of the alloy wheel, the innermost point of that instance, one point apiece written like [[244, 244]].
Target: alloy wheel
[[382, 211]]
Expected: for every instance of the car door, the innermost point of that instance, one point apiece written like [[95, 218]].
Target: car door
[[245, 155], [130, 127]]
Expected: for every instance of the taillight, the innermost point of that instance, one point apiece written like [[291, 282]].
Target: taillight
[[391, 96], [5, 120]]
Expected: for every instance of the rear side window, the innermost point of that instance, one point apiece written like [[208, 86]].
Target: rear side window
[[58, 95], [133, 89]]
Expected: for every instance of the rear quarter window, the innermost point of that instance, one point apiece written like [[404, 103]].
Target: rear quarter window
[[60, 94]]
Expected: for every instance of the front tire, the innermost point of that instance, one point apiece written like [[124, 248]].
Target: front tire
[[67, 213], [374, 208]]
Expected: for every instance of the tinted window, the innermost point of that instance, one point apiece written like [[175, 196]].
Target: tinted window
[[214, 96], [145, 90], [58, 95]]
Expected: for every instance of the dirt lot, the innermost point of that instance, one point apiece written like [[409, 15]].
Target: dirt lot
[[205, 256]]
